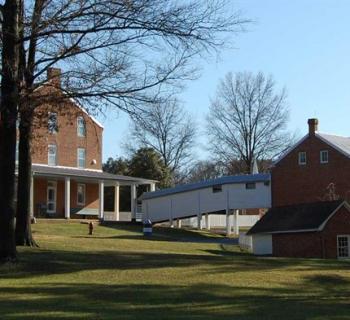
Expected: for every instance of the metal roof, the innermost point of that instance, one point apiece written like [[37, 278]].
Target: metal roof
[[44, 170], [340, 143], [206, 184], [296, 218]]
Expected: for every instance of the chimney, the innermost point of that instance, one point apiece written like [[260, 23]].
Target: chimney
[[54, 76], [313, 126]]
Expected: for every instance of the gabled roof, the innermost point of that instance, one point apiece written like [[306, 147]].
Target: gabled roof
[[208, 183], [297, 218], [340, 143]]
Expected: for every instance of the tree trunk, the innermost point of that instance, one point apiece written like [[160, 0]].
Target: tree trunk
[[23, 221], [9, 103]]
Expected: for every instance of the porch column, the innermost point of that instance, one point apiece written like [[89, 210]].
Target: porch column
[[116, 201], [199, 222], [101, 190], [178, 223], [133, 202], [228, 223], [67, 198], [236, 225], [152, 187], [31, 208], [207, 221]]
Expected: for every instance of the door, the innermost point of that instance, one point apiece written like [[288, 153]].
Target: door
[[51, 196], [343, 246]]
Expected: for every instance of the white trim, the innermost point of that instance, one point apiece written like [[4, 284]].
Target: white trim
[[321, 152], [320, 228], [348, 239], [77, 104], [84, 194], [290, 149], [54, 187], [344, 203], [81, 158], [64, 167], [299, 158], [333, 145], [54, 146]]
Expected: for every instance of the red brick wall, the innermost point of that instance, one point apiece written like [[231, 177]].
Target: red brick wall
[[321, 244], [66, 139], [293, 183], [40, 195]]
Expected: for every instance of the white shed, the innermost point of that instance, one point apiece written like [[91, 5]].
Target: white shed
[[223, 195]]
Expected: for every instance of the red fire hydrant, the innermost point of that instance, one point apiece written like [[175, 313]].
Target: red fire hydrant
[[91, 227]]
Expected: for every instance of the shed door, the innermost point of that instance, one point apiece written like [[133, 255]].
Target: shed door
[[343, 246]]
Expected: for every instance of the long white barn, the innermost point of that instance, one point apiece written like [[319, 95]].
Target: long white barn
[[225, 195]]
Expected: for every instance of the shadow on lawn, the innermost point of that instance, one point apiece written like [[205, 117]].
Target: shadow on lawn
[[44, 262], [202, 301]]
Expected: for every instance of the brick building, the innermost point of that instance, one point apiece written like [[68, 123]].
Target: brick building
[[310, 187], [68, 180]]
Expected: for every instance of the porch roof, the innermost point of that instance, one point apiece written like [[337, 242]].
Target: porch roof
[[57, 171]]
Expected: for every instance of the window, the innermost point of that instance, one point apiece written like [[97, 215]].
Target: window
[[324, 156], [17, 152], [51, 196], [302, 158], [343, 246], [81, 194], [52, 155], [81, 127], [217, 188], [250, 185], [52, 123], [81, 158]]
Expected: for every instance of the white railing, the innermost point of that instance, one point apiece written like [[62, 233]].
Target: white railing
[[245, 242]]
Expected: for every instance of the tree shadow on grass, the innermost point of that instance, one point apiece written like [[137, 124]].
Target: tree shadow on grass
[[148, 301]]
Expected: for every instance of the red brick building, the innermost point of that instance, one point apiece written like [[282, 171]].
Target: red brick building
[[310, 187], [68, 180]]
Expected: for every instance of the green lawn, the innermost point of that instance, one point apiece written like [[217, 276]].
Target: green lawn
[[117, 274]]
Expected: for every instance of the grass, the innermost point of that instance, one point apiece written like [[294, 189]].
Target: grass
[[118, 274]]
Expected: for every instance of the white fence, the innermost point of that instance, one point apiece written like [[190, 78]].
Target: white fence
[[219, 220], [245, 242]]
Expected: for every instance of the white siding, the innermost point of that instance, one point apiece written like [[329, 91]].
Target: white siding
[[262, 244], [191, 203]]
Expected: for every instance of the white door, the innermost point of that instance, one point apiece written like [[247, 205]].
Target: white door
[[343, 243], [51, 196]]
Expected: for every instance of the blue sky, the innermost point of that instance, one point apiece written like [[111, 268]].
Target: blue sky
[[303, 44]]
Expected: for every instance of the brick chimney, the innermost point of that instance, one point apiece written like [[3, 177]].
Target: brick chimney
[[313, 126], [54, 76]]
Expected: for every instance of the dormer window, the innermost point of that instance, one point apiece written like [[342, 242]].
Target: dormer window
[[52, 124], [81, 127], [302, 158], [324, 156]]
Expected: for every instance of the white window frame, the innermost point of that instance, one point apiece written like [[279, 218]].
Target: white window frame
[[51, 185], [52, 130], [322, 152], [79, 158], [48, 154], [84, 194], [338, 247], [81, 125], [302, 163]]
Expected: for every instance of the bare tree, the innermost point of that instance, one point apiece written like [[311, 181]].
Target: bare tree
[[120, 54], [248, 119], [168, 129], [204, 170]]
